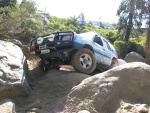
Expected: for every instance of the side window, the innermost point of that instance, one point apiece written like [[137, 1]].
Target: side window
[[98, 40], [106, 44]]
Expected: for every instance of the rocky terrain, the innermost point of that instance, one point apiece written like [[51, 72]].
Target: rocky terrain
[[123, 89]]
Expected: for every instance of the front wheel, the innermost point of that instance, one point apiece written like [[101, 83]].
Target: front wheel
[[84, 61], [43, 66]]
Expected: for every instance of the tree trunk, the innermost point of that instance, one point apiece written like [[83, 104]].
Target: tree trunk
[[147, 46], [129, 27]]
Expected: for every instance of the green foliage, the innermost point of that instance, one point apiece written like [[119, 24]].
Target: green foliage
[[131, 14], [141, 40], [113, 39], [121, 48], [124, 48], [140, 49], [11, 3], [132, 46], [11, 19], [29, 6], [112, 36], [32, 27]]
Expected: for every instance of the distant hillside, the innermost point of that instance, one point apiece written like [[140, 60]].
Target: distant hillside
[[105, 25]]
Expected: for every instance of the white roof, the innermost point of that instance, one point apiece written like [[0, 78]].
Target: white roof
[[88, 35]]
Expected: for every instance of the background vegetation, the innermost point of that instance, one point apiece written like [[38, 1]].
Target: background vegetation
[[24, 22]]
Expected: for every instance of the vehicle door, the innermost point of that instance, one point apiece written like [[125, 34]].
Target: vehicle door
[[107, 52], [98, 49]]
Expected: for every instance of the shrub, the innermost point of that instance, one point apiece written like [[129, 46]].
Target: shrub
[[121, 48], [124, 48], [132, 46], [112, 39]]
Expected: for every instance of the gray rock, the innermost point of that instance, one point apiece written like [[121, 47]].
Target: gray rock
[[16, 42], [13, 70], [7, 106], [133, 108], [102, 93], [134, 57]]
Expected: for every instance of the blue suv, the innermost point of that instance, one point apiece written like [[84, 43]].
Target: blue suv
[[85, 51]]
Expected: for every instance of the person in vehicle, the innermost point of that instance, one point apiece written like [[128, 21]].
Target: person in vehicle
[[117, 62]]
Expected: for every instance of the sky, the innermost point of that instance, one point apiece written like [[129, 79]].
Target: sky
[[95, 10]]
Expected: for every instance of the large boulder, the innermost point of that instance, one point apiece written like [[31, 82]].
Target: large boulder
[[104, 92], [13, 70], [134, 57]]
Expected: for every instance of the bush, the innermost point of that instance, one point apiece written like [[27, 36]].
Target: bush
[[140, 49], [141, 40], [132, 46], [124, 48], [112, 39], [121, 48]]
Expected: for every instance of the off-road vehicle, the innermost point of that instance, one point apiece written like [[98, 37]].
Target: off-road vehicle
[[85, 51]]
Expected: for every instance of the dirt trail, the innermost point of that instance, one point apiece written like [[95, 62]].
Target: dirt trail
[[49, 89]]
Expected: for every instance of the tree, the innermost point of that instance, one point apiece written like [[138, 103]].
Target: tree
[[130, 23], [11, 19], [139, 12], [129, 17], [29, 6], [11, 3], [73, 20], [147, 45], [81, 18]]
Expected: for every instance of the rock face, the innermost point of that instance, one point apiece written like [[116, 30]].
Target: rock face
[[104, 92], [7, 106], [134, 57], [133, 108], [49, 91], [13, 69]]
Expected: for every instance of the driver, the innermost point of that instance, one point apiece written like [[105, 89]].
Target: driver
[[117, 62]]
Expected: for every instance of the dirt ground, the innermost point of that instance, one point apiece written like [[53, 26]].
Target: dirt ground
[[48, 90]]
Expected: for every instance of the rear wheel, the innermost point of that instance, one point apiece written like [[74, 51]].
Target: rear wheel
[[84, 61]]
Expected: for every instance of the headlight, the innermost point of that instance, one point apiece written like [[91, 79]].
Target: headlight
[[39, 40]]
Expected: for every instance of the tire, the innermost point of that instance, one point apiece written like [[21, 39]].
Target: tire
[[84, 61], [43, 66]]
